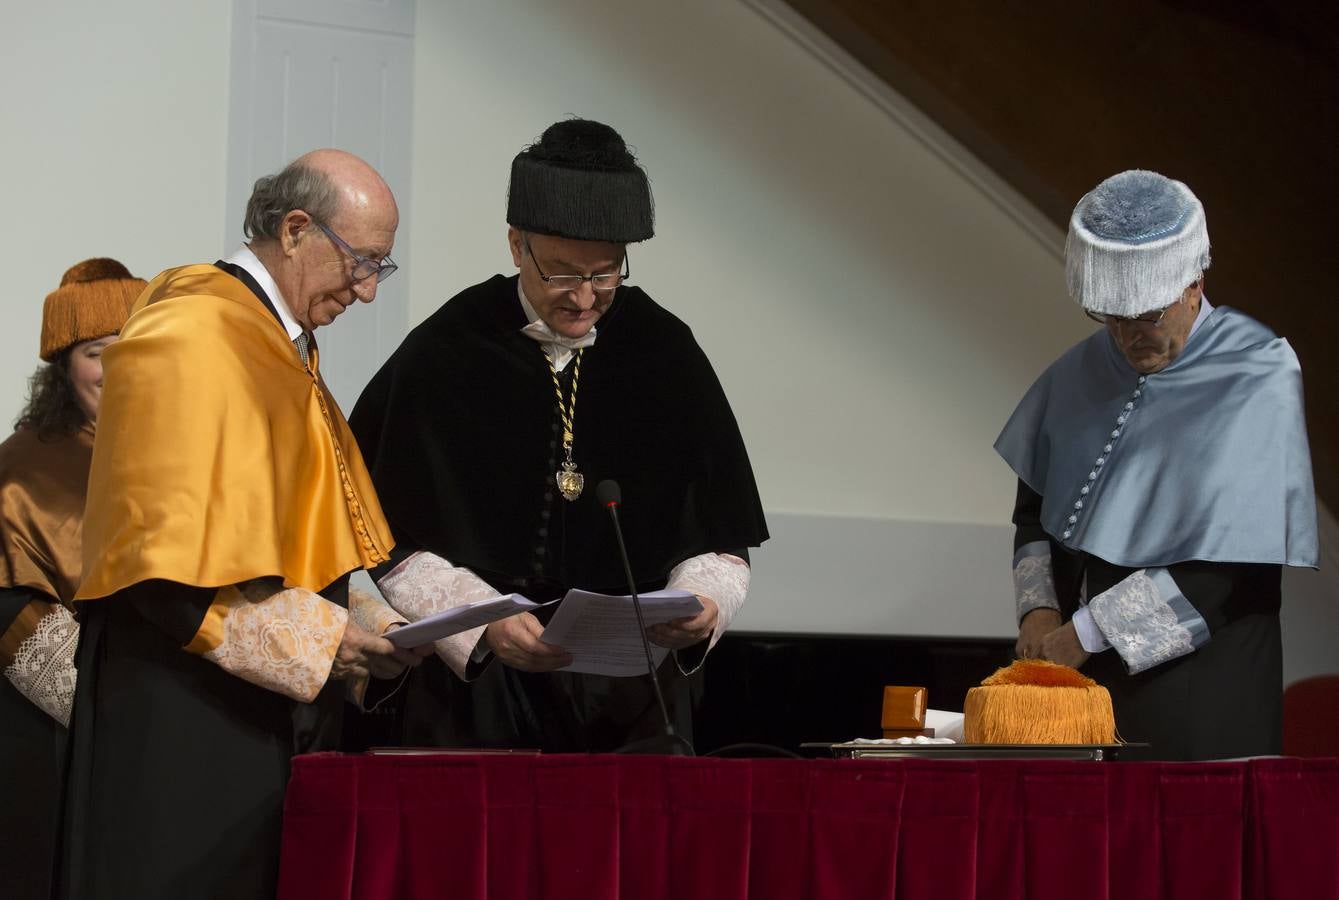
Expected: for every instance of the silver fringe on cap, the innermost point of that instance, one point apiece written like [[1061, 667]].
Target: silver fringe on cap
[[1136, 242]]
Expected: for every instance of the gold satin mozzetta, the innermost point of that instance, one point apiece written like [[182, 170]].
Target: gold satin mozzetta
[[42, 485], [220, 457]]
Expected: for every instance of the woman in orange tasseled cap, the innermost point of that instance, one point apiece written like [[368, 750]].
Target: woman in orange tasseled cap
[[43, 478]]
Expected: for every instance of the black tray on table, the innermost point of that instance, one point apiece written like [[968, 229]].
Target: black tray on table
[[1092, 752]]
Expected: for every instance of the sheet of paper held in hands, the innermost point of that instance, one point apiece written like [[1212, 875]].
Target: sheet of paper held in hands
[[600, 630], [459, 618]]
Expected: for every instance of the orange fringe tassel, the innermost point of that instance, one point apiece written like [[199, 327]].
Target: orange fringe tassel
[[1038, 702], [93, 300]]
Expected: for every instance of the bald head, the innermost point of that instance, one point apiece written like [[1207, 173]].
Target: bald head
[[316, 225], [326, 184], [358, 188]]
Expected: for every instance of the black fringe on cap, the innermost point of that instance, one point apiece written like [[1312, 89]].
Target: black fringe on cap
[[579, 181]]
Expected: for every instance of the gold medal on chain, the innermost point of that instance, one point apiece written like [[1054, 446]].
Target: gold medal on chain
[[570, 482]]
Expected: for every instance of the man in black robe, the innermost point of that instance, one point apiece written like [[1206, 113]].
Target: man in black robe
[[1164, 481], [487, 428]]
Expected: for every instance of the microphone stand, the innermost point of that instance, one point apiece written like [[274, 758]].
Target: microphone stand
[[671, 743]]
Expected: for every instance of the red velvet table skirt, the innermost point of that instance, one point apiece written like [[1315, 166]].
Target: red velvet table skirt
[[600, 827]]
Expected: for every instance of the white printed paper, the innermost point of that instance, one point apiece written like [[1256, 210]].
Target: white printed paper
[[601, 631], [457, 619]]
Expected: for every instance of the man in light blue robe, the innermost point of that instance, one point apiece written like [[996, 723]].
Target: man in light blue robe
[[1164, 481]]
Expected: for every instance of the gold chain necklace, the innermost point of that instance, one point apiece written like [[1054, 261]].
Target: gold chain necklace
[[570, 481]]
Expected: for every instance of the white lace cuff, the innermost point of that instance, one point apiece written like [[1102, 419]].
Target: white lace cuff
[[43, 665], [425, 584], [1148, 620], [722, 578], [282, 639], [1034, 585]]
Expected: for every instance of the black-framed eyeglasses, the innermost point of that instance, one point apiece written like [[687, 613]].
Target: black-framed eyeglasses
[[603, 282], [364, 267]]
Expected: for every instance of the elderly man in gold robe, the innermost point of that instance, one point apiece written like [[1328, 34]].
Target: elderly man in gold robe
[[227, 505]]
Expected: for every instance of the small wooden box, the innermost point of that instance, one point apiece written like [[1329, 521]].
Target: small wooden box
[[904, 712]]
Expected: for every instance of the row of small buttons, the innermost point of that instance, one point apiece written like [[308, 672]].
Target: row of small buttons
[[1102, 459], [542, 534]]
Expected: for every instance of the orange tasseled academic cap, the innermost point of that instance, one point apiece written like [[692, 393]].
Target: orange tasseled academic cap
[[93, 300], [1035, 701]]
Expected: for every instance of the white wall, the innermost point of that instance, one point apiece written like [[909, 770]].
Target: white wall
[[114, 145]]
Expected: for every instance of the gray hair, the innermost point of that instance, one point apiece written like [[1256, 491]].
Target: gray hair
[[298, 186]]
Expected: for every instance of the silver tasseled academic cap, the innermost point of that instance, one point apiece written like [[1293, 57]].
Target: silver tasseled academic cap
[[1136, 241]]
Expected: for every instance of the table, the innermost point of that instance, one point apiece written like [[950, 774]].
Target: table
[[600, 827]]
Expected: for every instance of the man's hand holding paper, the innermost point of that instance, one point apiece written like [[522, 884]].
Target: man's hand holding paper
[[679, 634]]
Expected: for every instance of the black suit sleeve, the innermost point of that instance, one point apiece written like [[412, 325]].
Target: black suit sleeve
[[12, 602], [401, 552], [1222, 593], [1027, 517], [176, 609]]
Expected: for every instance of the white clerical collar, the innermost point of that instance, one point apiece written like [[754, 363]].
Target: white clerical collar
[[1205, 309], [558, 348], [245, 258]]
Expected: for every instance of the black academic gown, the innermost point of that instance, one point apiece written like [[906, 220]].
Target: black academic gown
[[460, 430], [32, 756], [215, 748], [1224, 699]]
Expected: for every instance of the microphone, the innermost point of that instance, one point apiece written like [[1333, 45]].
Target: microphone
[[671, 743]]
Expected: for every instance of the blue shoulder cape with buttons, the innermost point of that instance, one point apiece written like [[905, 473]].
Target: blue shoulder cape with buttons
[[1205, 460]]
